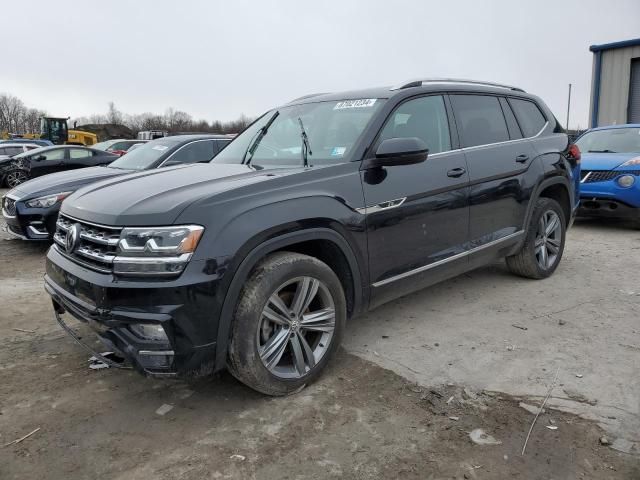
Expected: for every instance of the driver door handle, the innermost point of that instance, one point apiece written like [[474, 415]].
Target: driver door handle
[[456, 172], [522, 158]]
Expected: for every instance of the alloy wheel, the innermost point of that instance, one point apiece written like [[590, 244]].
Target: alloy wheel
[[15, 178], [296, 327], [548, 239]]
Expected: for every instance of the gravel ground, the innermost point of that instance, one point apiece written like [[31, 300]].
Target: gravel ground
[[413, 380]]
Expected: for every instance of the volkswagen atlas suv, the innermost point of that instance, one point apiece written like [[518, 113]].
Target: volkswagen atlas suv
[[321, 209]]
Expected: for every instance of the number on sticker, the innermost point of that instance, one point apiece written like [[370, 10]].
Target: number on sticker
[[361, 103]]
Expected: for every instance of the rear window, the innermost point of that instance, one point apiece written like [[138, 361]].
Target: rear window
[[529, 116], [479, 119]]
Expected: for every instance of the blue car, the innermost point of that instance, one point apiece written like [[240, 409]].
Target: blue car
[[610, 178]]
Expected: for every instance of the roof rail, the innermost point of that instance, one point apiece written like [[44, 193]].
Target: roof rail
[[421, 82], [307, 96]]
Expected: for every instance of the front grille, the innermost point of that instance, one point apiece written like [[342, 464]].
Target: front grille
[[9, 206], [592, 176], [96, 245]]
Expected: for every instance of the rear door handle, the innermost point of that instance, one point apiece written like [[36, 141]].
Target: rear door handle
[[522, 158], [456, 172]]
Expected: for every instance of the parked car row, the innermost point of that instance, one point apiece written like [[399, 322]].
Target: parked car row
[[31, 208], [320, 210]]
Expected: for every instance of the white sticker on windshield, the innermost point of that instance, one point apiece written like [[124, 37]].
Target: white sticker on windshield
[[161, 148], [362, 103], [338, 151]]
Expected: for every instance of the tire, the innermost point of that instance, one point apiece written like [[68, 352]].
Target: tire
[[15, 177], [529, 261], [274, 288]]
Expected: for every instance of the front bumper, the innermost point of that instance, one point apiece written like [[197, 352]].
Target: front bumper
[[32, 223], [608, 199], [109, 306], [607, 207]]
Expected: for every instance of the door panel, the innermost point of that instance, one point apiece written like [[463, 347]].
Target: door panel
[[499, 193], [416, 215], [79, 158], [46, 162], [497, 166]]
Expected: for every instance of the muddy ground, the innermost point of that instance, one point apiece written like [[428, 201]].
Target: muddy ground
[[366, 417]]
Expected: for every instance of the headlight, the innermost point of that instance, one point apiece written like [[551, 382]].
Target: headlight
[[634, 162], [626, 180], [47, 201], [156, 250]]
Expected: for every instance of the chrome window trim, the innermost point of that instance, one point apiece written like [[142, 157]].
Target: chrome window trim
[[485, 145], [186, 145], [458, 256]]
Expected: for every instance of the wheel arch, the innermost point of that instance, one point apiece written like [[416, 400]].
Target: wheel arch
[[325, 244], [556, 188]]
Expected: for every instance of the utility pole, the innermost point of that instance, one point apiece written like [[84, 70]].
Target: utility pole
[[568, 106]]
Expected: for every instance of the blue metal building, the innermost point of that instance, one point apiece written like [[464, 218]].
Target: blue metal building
[[615, 83]]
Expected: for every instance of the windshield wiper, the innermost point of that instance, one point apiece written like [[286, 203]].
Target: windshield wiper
[[306, 146], [601, 151], [253, 145]]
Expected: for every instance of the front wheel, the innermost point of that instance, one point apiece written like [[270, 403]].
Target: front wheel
[[288, 323], [15, 177], [544, 243]]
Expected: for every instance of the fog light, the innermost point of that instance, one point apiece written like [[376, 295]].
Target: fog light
[[626, 180], [149, 331]]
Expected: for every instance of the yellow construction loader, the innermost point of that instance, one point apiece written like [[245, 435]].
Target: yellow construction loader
[[56, 130]]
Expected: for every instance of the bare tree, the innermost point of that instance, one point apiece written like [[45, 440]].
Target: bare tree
[[15, 117], [114, 115]]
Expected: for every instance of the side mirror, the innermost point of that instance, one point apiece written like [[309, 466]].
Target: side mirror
[[399, 151]]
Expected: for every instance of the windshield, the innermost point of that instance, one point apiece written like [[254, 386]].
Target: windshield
[[145, 156], [332, 130], [614, 140]]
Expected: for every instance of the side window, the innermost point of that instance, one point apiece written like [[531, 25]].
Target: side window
[[425, 118], [79, 153], [222, 144], [529, 116], [11, 151], [194, 152], [512, 123], [480, 120], [57, 154]]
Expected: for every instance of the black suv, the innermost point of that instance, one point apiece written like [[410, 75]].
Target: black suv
[[321, 209], [31, 209]]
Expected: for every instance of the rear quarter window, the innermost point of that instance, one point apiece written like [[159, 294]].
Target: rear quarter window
[[529, 116]]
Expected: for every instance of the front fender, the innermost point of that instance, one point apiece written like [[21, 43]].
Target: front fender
[[241, 268]]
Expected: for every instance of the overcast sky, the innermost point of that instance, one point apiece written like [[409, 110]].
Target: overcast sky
[[220, 59]]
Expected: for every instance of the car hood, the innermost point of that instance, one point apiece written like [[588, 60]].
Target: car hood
[[157, 197], [67, 181], [605, 161]]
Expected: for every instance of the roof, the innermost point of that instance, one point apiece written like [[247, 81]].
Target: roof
[[389, 92], [634, 42], [610, 127], [193, 136]]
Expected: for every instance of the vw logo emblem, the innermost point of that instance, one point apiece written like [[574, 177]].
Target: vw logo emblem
[[73, 238]]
